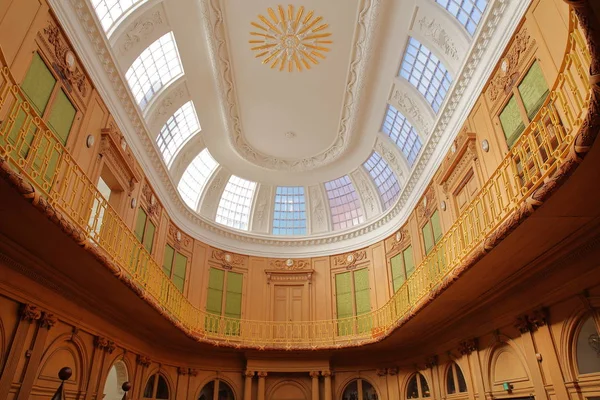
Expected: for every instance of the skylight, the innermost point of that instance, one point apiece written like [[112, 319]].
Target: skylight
[[182, 125], [289, 217], [384, 179], [344, 203], [402, 133], [425, 72], [234, 207], [467, 12], [110, 11], [158, 65], [195, 177]]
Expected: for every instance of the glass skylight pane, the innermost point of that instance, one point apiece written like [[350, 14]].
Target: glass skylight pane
[[182, 125], [467, 12], [289, 215], [195, 177], [384, 179], [402, 133], [344, 203], [158, 65], [234, 207], [109, 11], [425, 72]]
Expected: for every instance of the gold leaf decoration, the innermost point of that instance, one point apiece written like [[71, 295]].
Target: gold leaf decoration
[[290, 39]]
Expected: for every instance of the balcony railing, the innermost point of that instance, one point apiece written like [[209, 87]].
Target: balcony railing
[[33, 151]]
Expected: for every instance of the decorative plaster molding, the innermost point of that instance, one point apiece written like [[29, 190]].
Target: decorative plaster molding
[[434, 30], [140, 30], [165, 104], [125, 107], [394, 160], [362, 49], [317, 209], [261, 214], [412, 110], [370, 200]]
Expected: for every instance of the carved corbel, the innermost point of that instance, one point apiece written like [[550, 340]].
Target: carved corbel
[[431, 362], [143, 361], [105, 344], [48, 320], [466, 347], [30, 313]]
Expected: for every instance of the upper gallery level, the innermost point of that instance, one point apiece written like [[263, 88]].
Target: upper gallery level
[[314, 127], [81, 91]]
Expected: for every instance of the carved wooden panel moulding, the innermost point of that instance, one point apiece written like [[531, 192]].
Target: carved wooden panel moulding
[[512, 66], [397, 242], [290, 264], [151, 201], [56, 47], [427, 205], [179, 240], [463, 153], [350, 260], [228, 260]]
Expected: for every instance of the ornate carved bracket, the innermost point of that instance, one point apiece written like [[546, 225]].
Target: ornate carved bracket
[[179, 239], [277, 275], [48, 320], [431, 362]]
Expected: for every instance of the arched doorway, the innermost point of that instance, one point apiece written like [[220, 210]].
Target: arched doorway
[[288, 390], [216, 390], [117, 375]]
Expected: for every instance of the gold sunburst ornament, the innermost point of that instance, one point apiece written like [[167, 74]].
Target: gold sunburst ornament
[[290, 39]]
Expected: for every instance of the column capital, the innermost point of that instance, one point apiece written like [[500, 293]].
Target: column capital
[[466, 347], [326, 373], [248, 373], [143, 361], [262, 374], [314, 374], [103, 343]]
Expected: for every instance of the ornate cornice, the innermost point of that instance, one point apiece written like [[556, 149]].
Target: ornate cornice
[[361, 50], [160, 174]]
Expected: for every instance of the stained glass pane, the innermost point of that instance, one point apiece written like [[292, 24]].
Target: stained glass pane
[[234, 207], [402, 133], [425, 72], [344, 203], [178, 129], [156, 67], [384, 179], [289, 215], [194, 178]]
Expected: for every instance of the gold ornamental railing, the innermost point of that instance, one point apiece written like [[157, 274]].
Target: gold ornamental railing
[[30, 147]]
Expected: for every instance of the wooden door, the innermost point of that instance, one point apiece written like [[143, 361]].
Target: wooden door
[[288, 306], [467, 191]]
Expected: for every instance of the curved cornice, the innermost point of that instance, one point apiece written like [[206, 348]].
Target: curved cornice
[[92, 46], [222, 70]]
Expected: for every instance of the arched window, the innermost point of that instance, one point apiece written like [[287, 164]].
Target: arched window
[[156, 388], [417, 387], [359, 389], [117, 376], [588, 347], [216, 390], [455, 380]]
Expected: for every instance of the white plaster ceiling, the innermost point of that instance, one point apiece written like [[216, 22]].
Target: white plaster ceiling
[[334, 111]]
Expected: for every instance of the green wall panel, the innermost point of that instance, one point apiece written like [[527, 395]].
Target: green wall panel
[[214, 299], [62, 116], [140, 224], [168, 260], [233, 299], [533, 90], [38, 84]]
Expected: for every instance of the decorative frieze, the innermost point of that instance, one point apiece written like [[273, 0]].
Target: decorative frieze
[[434, 31], [399, 241], [151, 201], [179, 239], [289, 264]]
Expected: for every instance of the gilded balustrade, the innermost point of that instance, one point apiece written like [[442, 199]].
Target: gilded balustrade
[[31, 148]]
